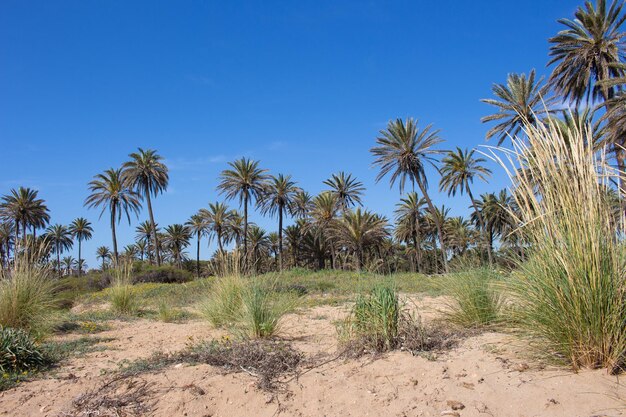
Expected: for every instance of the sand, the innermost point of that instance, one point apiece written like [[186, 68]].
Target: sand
[[491, 374]]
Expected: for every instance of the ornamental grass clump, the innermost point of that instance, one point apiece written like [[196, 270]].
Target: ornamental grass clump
[[570, 292]]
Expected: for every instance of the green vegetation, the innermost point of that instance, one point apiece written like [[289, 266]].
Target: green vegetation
[[18, 351], [223, 304], [122, 294]]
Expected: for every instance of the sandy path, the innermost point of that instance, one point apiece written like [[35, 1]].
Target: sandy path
[[487, 374]]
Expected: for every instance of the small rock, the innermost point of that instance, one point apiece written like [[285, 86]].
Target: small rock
[[455, 405], [467, 385], [450, 413]]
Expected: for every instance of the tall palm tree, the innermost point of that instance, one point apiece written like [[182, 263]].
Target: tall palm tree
[[294, 234], [25, 209], [323, 215], [302, 204], [278, 199], [459, 235], [347, 190], [109, 190], [81, 229], [520, 101], [358, 230], [177, 239], [198, 225], [496, 211], [142, 247], [403, 151], [218, 218], [148, 176], [587, 52], [245, 181], [6, 242], [103, 253], [458, 170], [234, 228], [409, 215], [60, 238]]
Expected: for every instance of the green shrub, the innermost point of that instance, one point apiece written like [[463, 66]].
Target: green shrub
[[223, 304], [474, 299], [569, 294], [165, 274], [18, 351], [27, 299]]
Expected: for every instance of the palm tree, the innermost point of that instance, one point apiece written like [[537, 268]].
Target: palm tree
[[278, 197], [496, 211], [81, 230], [109, 190], [60, 238], [588, 52], [177, 239], [142, 248], [148, 176], [198, 225], [458, 171], [144, 233], [302, 204], [358, 230], [69, 263], [103, 253], [403, 151], [520, 101], [294, 235], [459, 235], [6, 242], [234, 228], [259, 244], [323, 215], [244, 181], [130, 252], [589, 56], [409, 215], [218, 218], [347, 190], [25, 210]]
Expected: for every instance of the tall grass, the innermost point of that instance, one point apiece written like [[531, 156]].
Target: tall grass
[[123, 298], [263, 309], [474, 297], [375, 317], [570, 293], [222, 307], [27, 298]]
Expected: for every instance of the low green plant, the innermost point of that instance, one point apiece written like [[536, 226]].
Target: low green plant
[[474, 299], [169, 314], [18, 351], [27, 298]]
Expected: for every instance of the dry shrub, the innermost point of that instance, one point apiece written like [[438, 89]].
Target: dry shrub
[[266, 360], [122, 396]]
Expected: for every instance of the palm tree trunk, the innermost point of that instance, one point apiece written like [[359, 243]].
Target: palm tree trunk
[[482, 225], [436, 220], [280, 238], [154, 232], [245, 231], [58, 259], [80, 266], [219, 241], [113, 235], [198, 257], [416, 242]]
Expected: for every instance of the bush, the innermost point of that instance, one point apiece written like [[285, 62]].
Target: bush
[[18, 351], [27, 299], [161, 274], [570, 292], [474, 299]]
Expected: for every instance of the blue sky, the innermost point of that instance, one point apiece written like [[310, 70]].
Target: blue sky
[[302, 86]]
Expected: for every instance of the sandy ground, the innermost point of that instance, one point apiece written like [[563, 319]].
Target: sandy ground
[[487, 375]]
